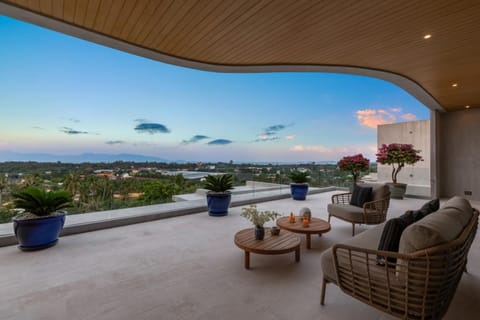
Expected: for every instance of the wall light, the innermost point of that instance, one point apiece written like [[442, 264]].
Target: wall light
[[427, 36], [467, 107], [454, 84]]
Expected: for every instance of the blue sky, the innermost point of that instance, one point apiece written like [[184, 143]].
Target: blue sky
[[63, 95]]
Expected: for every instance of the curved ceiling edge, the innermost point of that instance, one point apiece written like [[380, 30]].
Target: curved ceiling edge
[[403, 82]]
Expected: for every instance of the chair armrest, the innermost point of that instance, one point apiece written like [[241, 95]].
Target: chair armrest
[[361, 275], [343, 198], [375, 211]]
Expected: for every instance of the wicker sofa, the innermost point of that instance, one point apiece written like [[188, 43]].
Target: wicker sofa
[[422, 279]]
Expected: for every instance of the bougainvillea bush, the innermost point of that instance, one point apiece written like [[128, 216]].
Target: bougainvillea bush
[[354, 164], [398, 155]]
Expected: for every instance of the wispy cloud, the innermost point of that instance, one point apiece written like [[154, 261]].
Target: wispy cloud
[[372, 118], [151, 128], [290, 137], [274, 129], [265, 137], [114, 142], [409, 117], [303, 148], [71, 131], [38, 128], [270, 133], [195, 139], [219, 142], [331, 153], [74, 120]]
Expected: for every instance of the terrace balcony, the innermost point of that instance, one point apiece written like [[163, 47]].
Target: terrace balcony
[[187, 267]]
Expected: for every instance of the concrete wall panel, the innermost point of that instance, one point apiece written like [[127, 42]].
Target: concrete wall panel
[[460, 153]]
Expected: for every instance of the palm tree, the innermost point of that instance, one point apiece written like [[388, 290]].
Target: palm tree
[[3, 186], [72, 183]]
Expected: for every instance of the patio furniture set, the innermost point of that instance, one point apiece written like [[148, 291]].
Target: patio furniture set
[[408, 267]]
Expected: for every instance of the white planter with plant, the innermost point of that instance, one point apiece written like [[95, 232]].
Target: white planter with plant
[[397, 155]]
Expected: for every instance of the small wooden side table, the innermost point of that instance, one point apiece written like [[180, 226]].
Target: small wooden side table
[[283, 243], [317, 226]]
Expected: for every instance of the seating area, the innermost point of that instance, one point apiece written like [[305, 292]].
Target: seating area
[[188, 267], [361, 207], [418, 281]]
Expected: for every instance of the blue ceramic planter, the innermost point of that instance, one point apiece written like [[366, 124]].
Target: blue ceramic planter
[[36, 234], [299, 191], [218, 203], [259, 233]]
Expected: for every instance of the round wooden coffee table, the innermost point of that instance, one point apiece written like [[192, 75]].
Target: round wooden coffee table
[[283, 243], [317, 226]]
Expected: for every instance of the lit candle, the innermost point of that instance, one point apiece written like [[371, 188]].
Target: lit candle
[[292, 218], [305, 222]]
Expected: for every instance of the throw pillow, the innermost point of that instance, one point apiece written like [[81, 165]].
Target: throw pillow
[[390, 239], [360, 195], [426, 209]]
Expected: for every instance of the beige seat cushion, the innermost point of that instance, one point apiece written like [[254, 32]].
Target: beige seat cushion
[[367, 239], [439, 227], [346, 212]]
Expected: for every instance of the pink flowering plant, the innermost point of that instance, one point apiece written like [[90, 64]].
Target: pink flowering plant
[[398, 155], [354, 164]]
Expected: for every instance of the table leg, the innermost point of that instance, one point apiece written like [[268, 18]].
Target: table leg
[[319, 234], [297, 254], [247, 260], [308, 241]]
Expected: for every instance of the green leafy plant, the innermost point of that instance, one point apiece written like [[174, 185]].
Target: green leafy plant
[[354, 164], [298, 176], [41, 203], [258, 218], [397, 155], [220, 183]]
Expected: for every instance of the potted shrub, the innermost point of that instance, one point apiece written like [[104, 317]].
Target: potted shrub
[[354, 164], [40, 225], [218, 196], [397, 155], [258, 218], [299, 185]]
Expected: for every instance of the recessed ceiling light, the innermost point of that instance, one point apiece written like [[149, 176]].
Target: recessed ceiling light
[[467, 107], [427, 36], [454, 84]]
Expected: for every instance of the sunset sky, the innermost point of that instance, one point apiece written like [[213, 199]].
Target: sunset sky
[[62, 95]]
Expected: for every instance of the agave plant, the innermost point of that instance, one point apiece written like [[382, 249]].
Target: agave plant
[[41, 203], [220, 183], [298, 176]]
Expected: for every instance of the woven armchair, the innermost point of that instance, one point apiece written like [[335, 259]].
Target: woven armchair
[[373, 212], [419, 285]]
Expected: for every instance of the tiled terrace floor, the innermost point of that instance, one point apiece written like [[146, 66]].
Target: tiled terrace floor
[[189, 268]]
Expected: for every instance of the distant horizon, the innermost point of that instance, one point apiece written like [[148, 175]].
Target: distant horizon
[[8, 156], [66, 96]]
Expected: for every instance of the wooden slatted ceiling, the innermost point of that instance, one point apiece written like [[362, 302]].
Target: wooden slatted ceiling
[[378, 34]]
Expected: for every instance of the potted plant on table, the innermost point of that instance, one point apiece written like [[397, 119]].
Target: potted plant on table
[[397, 155], [354, 164], [41, 223], [258, 218], [299, 185], [218, 196]]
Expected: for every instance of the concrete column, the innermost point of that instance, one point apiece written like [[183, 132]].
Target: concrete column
[[435, 156]]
